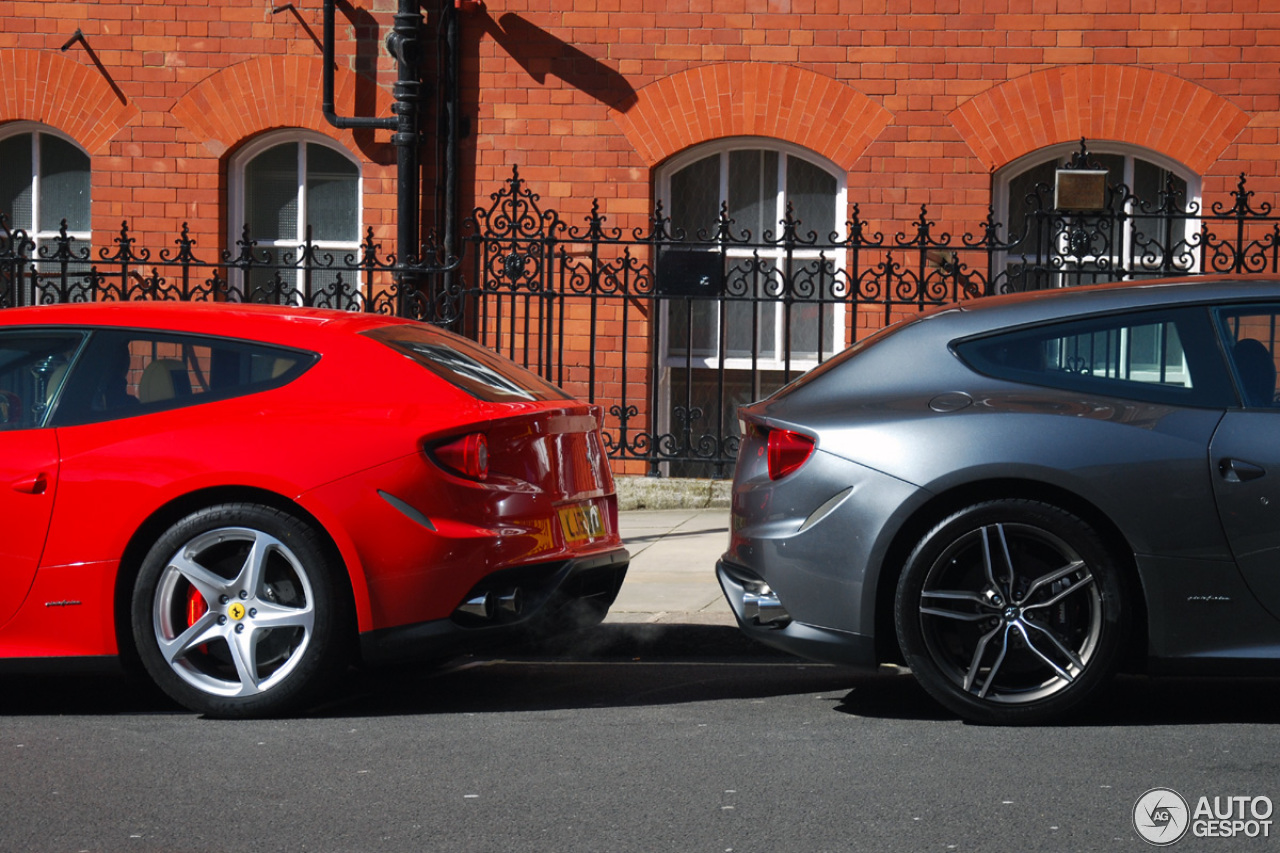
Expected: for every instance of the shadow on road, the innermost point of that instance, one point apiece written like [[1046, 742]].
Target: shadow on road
[[610, 665], [1130, 700], [625, 665]]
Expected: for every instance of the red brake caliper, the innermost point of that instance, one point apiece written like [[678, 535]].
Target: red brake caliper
[[196, 607]]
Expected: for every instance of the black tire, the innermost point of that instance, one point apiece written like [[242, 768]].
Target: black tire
[[1011, 612], [238, 612]]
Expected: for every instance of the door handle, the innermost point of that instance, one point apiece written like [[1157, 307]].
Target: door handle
[[1239, 471], [32, 485]]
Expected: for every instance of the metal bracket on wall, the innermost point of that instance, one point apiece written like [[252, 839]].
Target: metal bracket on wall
[[78, 36]]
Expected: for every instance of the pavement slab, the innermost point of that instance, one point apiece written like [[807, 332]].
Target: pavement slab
[[673, 567]]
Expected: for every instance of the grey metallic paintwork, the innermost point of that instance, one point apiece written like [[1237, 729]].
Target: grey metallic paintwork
[[1115, 456], [1145, 466], [810, 641], [1250, 509], [819, 573], [1230, 624]]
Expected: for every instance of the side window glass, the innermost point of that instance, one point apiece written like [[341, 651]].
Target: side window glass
[[1146, 352], [126, 373], [1164, 357], [1249, 338], [33, 368]]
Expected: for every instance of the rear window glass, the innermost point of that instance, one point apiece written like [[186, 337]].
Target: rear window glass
[[465, 364], [1160, 357]]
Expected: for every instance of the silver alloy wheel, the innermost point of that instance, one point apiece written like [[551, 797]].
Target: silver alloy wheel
[[1010, 613], [258, 612]]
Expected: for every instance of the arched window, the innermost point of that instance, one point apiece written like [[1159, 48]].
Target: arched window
[[44, 179], [1144, 232], [293, 189], [770, 312]]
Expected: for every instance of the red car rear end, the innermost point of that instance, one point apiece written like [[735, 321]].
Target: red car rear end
[[262, 488]]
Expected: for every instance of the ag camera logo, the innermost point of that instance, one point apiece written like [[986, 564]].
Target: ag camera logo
[[1160, 816]]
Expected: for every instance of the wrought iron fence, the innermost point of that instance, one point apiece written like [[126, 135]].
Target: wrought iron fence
[[669, 331], [63, 269]]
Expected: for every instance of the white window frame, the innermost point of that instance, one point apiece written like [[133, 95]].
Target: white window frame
[[238, 215], [36, 130], [763, 361], [1062, 152]]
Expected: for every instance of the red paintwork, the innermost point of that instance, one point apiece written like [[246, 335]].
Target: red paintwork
[[354, 424]]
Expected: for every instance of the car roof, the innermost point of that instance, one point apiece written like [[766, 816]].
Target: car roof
[[286, 325], [1031, 307]]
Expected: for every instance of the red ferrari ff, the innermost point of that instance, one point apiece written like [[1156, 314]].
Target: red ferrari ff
[[248, 499]]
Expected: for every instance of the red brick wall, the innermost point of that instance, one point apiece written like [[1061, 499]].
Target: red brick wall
[[180, 86], [920, 101]]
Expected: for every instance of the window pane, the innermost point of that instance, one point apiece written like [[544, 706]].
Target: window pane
[[1022, 196], [15, 180], [271, 193], [335, 289], [812, 193], [276, 283], [813, 323], [1150, 353], [332, 187], [32, 369], [1251, 338], [753, 192], [1149, 182], [740, 318], [1114, 164], [77, 286], [125, 373], [64, 185], [704, 333], [750, 320], [695, 198]]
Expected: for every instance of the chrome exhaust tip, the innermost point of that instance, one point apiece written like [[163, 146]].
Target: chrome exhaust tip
[[764, 608], [480, 606], [511, 602]]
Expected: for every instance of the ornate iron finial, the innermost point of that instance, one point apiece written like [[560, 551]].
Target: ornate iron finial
[[1082, 159]]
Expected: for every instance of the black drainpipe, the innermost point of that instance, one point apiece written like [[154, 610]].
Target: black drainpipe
[[449, 96], [403, 44]]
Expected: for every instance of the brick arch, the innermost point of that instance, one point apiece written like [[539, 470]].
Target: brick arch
[[751, 99], [1119, 103], [59, 92], [272, 92]]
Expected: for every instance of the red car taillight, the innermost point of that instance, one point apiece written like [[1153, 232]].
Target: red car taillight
[[787, 451], [468, 456]]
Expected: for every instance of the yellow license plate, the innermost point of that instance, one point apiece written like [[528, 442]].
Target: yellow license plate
[[582, 523]]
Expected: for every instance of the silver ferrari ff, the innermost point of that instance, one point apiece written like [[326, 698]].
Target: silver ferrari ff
[[1017, 496]]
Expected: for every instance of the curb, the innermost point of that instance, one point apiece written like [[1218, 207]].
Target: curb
[[671, 493]]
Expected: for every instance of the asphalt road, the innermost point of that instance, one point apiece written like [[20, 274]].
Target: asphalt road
[[630, 738]]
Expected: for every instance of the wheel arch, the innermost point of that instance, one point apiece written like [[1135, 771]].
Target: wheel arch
[[948, 502], [150, 531]]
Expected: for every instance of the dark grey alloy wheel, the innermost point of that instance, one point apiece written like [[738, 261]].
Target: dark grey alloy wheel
[[237, 612], [1011, 612]]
